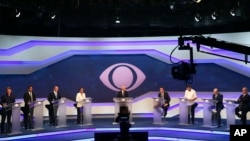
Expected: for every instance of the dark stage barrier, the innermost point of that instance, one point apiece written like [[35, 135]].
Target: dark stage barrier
[[116, 136]]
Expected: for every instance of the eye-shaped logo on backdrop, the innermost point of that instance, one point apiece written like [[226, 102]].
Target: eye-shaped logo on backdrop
[[121, 74]]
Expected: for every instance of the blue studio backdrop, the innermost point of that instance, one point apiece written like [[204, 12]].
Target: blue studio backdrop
[[102, 75]]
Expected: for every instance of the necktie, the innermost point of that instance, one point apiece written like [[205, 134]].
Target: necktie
[[122, 93]]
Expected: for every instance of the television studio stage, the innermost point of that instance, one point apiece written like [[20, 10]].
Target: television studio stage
[[146, 121]]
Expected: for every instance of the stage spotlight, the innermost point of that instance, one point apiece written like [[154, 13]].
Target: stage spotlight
[[17, 13], [235, 12], [197, 17], [197, 1], [171, 6], [117, 20], [52, 16], [232, 12], [214, 15]]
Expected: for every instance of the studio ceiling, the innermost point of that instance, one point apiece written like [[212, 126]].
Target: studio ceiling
[[97, 18]]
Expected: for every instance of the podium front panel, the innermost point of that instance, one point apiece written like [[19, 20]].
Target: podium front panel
[[157, 111], [16, 125], [183, 116], [207, 112], [62, 113], [123, 102], [38, 115], [230, 109], [87, 111]]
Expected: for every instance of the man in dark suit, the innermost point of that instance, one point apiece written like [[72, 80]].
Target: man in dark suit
[[218, 99], [53, 98], [122, 93], [28, 98], [243, 101], [166, 100], [6, 101]]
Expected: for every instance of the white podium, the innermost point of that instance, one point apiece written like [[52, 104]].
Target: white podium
[[38, 114], [184, 109], [157, 111], [126, 101], [86, 114], [230, 109], [15, 121], [61, 119], [208, 104]]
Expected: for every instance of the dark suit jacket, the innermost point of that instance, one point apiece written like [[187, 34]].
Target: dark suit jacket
[[119, 94], [219, 104], [244, 101], [7, 99], [166, 97], [27, 98], [52, 97]]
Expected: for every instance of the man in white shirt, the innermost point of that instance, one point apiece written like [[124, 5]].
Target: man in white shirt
[[80, 96], [190, 95]]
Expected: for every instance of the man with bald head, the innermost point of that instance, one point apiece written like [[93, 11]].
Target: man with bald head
[[122, 93], [218, 98], [243, 101]]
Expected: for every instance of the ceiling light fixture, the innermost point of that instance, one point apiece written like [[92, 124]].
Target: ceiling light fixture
[[52, 16], [197, 1], [117, 20], [17, 13], [197, 17], [214, 15]]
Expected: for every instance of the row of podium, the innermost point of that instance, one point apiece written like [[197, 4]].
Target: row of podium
[[208, 106], [87, 114], [38, 106]]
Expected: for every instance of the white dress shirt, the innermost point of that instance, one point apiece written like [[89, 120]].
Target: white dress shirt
[[190, 95], [55, 93], [79, 99]]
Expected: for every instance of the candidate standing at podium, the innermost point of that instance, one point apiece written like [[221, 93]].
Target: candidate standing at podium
[[218, 98], [122, 93], [166, 100], [80, 96], [6, 100], [28, 98], [190, 96], [54, 96], [244, 103]]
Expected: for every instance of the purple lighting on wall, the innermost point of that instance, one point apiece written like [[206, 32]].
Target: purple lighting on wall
[[33, 43], [83, 52]]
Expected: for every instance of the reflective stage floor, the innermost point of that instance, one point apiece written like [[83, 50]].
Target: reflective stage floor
[[170, 131]]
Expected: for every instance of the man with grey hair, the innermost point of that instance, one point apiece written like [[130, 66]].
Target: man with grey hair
[[218, 98], [243, 101], [53, 98], [122, 93]]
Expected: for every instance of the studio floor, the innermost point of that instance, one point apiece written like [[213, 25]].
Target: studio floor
[[170, 131]]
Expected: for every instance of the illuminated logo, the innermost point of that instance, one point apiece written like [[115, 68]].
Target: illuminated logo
[[121, 74]]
